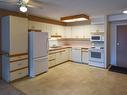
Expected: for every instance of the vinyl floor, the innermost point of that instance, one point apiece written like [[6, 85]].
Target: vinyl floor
[[75, 79]]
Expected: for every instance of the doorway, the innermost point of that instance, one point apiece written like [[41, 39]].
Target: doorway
[[122, 46]]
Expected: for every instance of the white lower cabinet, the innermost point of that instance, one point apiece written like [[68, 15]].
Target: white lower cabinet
[[69, 56], [51, 63], [85, 57], [15, 67], [18, 74], [18, 64], [58, 56], [51, 60]]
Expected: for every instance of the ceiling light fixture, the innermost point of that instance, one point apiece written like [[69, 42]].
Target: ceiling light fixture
[[75, 18], [26, 1], [125, 11], [23, 8]]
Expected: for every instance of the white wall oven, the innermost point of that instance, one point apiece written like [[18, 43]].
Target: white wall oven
[[96, 57]]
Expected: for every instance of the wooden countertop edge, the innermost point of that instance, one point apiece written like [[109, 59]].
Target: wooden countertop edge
[[63, 48], [18, 54], [59, 48]]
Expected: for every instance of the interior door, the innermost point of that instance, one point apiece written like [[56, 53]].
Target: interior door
[[0, 67], [0, 55], [122, 45]]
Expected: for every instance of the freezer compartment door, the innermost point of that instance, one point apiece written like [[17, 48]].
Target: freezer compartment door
[[39, 65]]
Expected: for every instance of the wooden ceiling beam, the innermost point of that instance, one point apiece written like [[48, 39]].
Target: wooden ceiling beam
[[75, 16]]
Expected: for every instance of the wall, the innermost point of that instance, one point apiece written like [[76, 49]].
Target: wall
[[113, 41]]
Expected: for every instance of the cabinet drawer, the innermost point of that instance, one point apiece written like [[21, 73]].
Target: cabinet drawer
[[18, 65], [51, 63], [52, 56], [18, 57], [18, 74]]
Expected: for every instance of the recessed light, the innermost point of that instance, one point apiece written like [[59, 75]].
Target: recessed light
[[74, 20], [125, 11]]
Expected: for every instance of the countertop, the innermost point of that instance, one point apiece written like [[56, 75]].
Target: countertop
[[63, 47]]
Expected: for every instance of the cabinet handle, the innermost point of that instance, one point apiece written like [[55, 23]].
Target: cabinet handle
[[19, 64]]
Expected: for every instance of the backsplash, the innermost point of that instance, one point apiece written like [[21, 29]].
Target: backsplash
[[53, 43]]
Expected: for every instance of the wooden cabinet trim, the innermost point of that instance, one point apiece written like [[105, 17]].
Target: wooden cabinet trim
[[18, 60], [34, 30], [18, 54], [52, 59], [57, 52], [84, 51], [55, 49], [5, 12], [18, 69]]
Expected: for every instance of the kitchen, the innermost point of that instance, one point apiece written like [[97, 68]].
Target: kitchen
[[82, 46]]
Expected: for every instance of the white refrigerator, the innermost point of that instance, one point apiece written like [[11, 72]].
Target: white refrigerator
[[38, 53]]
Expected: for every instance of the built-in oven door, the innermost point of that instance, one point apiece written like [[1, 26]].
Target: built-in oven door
[[96, 55]]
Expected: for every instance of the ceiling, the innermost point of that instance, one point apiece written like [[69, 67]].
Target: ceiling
[[55, 9]]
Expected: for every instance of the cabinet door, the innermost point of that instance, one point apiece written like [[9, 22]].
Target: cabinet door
[[18, 74], [51, 63], [87, 31], [97, 28], [63, 56], [51, 60], [85, 57], [54, 29], [69, 53], [68, 32], [18, 64], [18, 35], [44, 27], [60, 30], [47, 28], [58, 58], [77, 31]]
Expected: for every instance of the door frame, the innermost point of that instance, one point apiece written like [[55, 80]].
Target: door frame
[[113, 41], [117, 42]]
